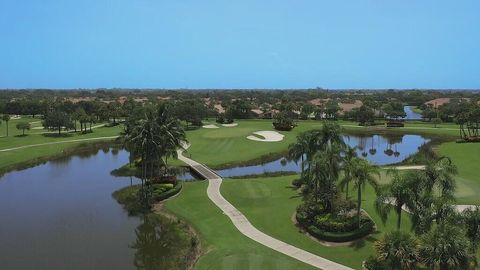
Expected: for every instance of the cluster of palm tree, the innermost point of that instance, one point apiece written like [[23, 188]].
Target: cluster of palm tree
[[444, 247], [443, 237], [323, 155], [5, 118], [152, 136]]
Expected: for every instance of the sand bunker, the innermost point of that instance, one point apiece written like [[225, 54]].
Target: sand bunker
[[230, 125], [268, 136], [210, 126]]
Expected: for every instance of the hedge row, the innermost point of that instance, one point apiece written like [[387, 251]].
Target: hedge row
[[169, 193], [365, 229]]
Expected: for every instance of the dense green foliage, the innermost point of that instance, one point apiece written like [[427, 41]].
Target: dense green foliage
[[152, 138], [131, 200]]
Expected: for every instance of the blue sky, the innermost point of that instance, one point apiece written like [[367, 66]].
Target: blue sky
[[239, 44]]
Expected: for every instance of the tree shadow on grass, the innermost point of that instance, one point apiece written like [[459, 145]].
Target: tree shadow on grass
[[20, 135], [293, 188], [56, 135], [360, 243]]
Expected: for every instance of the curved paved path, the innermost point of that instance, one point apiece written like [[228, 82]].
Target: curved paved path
[[246, 228]]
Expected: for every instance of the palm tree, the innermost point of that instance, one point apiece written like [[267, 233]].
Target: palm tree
[[440, 173], [6, 118], [298, 150], [446, 247], [471, 219], [145, 140], [363, 173], [323, 173], [399, 250], [331, 133], [349, 156], [399, 193], [172, 134]]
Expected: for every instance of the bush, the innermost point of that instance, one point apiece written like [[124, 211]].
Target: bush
[[165, 191], [283, 127], [373, 264], [364, 230], [220, 119], [332, 228], [297, 182], [329, 223], [129, 197]]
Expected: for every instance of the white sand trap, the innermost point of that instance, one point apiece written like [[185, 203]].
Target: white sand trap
[[230, 125], [268, 136], [210, 126]]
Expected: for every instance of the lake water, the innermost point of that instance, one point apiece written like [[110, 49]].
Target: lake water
[[61, 215], [411, 115], [379, 149]]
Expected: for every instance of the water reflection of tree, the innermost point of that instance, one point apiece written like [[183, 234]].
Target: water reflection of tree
[[160, 244], [362, 145], [86, 151], [393, 140], [372, 149]]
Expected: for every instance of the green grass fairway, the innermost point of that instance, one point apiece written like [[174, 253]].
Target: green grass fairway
[[226, 248], [227, 145], [29, 156], [270, 203], [467, 158]]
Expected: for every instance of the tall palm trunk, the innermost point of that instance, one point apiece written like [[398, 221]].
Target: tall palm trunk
[[346, 192], [303, 165], [399, 216], [359, 203]]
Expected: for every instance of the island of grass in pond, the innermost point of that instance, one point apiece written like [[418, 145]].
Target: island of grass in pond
[[131, 199]]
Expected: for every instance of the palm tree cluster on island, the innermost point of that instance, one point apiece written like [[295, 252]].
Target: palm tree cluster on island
[[325, 213], [441, 237], [152, 135]]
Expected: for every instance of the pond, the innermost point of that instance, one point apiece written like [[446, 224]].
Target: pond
[[379, 149], [411, 115], [61, 215]]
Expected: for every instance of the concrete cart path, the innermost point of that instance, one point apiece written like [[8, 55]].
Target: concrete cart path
[[246, 228]]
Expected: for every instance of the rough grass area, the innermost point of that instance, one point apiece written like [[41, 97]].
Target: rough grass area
[[225, 247], [466, 156], [28, 157], [270, 204], [25, 158]]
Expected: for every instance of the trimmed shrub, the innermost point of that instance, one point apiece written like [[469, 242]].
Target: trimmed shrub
[[129, 197], [333, 229], [165, 191], [329, 223], [283, 126], [297, 182], [364, 230], [373, 264]]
